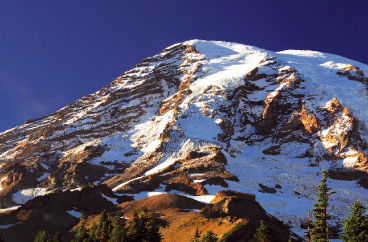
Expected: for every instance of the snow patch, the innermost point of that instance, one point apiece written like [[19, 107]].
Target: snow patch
[[4, 210], [1, 181], [74, 213], [6, 226], [44, 176], [204, 199], [152, 146], [123, 184], [161, 166], [113, 200], [350, 161], [196, 174], [226, 64], [22, 196]]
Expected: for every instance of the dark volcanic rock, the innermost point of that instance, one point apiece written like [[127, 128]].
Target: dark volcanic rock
[[49, 212], [266, 189]]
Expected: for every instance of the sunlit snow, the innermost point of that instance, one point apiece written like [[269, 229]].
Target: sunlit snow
[[22, 196], [74, 213]]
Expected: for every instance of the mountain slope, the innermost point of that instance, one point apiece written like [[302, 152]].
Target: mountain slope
[[201, 116]]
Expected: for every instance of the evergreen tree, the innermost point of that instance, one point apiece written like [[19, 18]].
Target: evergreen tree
[[143, 228], [103, 228], [356, 224], [42, 236], [143, 223], [319, 232], [57, 237], [196, 237], [134, 232], [265, 233], [82, 234], [153, 230], [93, 233], [117, 220], [104, 234], [1, 235], [209, 237], [118, 232], [103, 218]]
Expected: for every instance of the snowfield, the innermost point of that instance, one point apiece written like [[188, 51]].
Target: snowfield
[[22, 196], [298, 181], [319, 69]]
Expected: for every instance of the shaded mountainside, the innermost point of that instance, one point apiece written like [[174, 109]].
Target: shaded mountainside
[[200, 117]]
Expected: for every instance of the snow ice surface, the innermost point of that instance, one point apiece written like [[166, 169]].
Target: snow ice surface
[[226, 64], [160, 167], [74, 213], [204, 199], [110, 199], [5, 210], [44, 176], [22, 196], [198, 126], [1, 181], [123, 184], [6, 226], [319, 70], [298, 182]]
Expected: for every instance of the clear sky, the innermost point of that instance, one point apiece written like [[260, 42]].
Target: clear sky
[[53, 52]]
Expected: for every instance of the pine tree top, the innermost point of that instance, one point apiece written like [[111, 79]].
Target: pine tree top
[[319, 233], [356, 224]]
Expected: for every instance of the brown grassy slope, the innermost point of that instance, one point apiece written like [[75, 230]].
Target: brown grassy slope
[[178, 221]]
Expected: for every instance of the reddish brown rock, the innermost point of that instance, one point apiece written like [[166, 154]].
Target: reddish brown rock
[[301, 120]]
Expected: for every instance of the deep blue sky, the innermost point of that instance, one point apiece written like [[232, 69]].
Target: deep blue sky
[[53, 52]]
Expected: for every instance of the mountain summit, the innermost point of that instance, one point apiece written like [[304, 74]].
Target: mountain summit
[[202, 116]]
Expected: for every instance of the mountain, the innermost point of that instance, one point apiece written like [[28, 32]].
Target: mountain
[[201, 117]]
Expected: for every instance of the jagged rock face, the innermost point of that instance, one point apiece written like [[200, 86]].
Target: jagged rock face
[[196, 116]]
